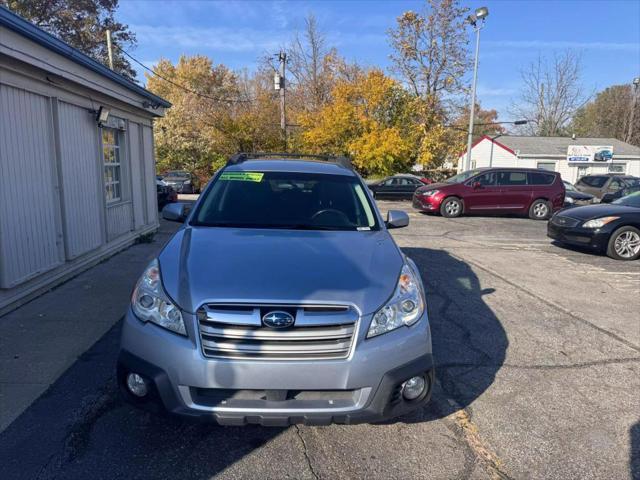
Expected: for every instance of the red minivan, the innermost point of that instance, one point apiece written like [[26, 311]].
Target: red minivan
[[537, 193]]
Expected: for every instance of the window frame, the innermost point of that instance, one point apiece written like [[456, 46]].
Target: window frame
[[116, 166]]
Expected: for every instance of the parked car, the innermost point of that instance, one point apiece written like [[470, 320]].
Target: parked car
[[282, 299], [165, 194], [182, 182], [489, 190], [613, 228], [623, 192], [573, 197], [396, 187], [599, 185]]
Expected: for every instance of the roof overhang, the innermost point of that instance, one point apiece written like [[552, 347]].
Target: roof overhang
[[26, 29]]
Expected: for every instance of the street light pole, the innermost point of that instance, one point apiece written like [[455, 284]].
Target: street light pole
[[480, 14], [634, 92]]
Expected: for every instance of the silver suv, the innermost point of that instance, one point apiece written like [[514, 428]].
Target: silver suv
[[283, 299]]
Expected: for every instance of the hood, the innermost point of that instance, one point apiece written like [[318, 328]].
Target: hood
[[599, 210], [201, 264], [434, 186], [578, 195]]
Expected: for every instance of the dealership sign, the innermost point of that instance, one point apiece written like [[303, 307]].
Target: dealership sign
[[589, 153]]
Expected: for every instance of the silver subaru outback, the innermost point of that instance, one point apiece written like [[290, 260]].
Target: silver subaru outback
[[283, 299]]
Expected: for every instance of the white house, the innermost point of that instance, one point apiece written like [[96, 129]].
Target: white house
[[557, 154], [77, 169]]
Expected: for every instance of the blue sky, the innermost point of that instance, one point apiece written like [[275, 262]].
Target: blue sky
[[238, 33]]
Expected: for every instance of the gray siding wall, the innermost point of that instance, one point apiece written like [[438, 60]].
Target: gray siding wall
[[30, 229], [150, 175], [138, 194], [81, 180]]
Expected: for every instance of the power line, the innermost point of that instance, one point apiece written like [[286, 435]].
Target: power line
[[175, 84]]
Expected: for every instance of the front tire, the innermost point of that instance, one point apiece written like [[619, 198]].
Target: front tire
[[540, 210], [624, 244], [451, 207]]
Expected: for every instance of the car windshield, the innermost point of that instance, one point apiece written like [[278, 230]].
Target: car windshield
[[569, 187], [461, 177], [632, 200], [177, 174], [299, 201], [596, 182]]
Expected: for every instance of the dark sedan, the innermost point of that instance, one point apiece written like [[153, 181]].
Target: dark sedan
[[613, 228], [397, 186]]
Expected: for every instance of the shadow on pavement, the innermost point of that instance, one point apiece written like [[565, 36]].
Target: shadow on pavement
[[469, 342]]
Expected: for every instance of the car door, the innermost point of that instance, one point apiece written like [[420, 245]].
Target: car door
[[482, 192], [408, 186], [515, 193], [383, 188]]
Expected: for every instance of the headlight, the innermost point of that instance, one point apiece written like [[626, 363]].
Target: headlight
[[569, 200], [429, 193], [151, 304], [599, 222], [404, 308]]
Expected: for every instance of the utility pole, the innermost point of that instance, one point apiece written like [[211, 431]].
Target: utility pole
[[634, 92], [110, 49], [281, 85]]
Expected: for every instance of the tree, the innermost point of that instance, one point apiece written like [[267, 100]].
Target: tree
[[608, 115], [552, 93], [83, 25], [430, 51], [312, 65], [369, 119]]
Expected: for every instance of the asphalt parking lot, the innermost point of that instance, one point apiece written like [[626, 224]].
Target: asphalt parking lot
[[537, 350]]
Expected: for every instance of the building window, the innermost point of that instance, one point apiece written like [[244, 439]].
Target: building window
[[112, 164], [618, 168], [551, 166], [582, 171]]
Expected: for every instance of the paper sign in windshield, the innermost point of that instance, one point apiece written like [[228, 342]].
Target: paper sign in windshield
[[242, 176]]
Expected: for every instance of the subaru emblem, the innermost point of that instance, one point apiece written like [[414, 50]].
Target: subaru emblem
[[278, 319]]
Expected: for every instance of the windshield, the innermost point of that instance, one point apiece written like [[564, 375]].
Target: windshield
[[286, 200], [461, 177], [569, 187], [632, 200], [177, 174]]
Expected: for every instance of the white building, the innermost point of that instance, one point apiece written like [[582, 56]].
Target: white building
[[74, 188], [552, 153]]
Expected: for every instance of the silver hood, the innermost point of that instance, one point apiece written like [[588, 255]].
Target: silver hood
[[201, 264]]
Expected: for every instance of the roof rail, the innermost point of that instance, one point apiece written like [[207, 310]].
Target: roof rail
[[243, 156]]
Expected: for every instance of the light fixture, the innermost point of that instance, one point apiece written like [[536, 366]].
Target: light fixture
[[102, 115], [482, 12]]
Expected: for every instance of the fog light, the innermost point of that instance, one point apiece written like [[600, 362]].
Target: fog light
[[413, 388], [137, 385]]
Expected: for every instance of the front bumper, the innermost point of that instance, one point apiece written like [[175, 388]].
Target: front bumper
[[595, 239], [427, 204], [367, 383]]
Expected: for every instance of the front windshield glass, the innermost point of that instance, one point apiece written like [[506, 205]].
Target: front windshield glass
[[569, 187], [300, 201], [632, 200], [461, 177], [178, 174]]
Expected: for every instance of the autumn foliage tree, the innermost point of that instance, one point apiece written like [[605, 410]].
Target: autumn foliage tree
[[368, 118]]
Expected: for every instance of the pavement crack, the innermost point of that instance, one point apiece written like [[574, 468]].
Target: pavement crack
[[551, 303], [306, 452]]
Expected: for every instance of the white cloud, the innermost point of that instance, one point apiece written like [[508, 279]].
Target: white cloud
[[212, 38]]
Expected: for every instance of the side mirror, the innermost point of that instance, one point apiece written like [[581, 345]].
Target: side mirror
[[476, 185], [175, 212], [397, 219], [607, 198]]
